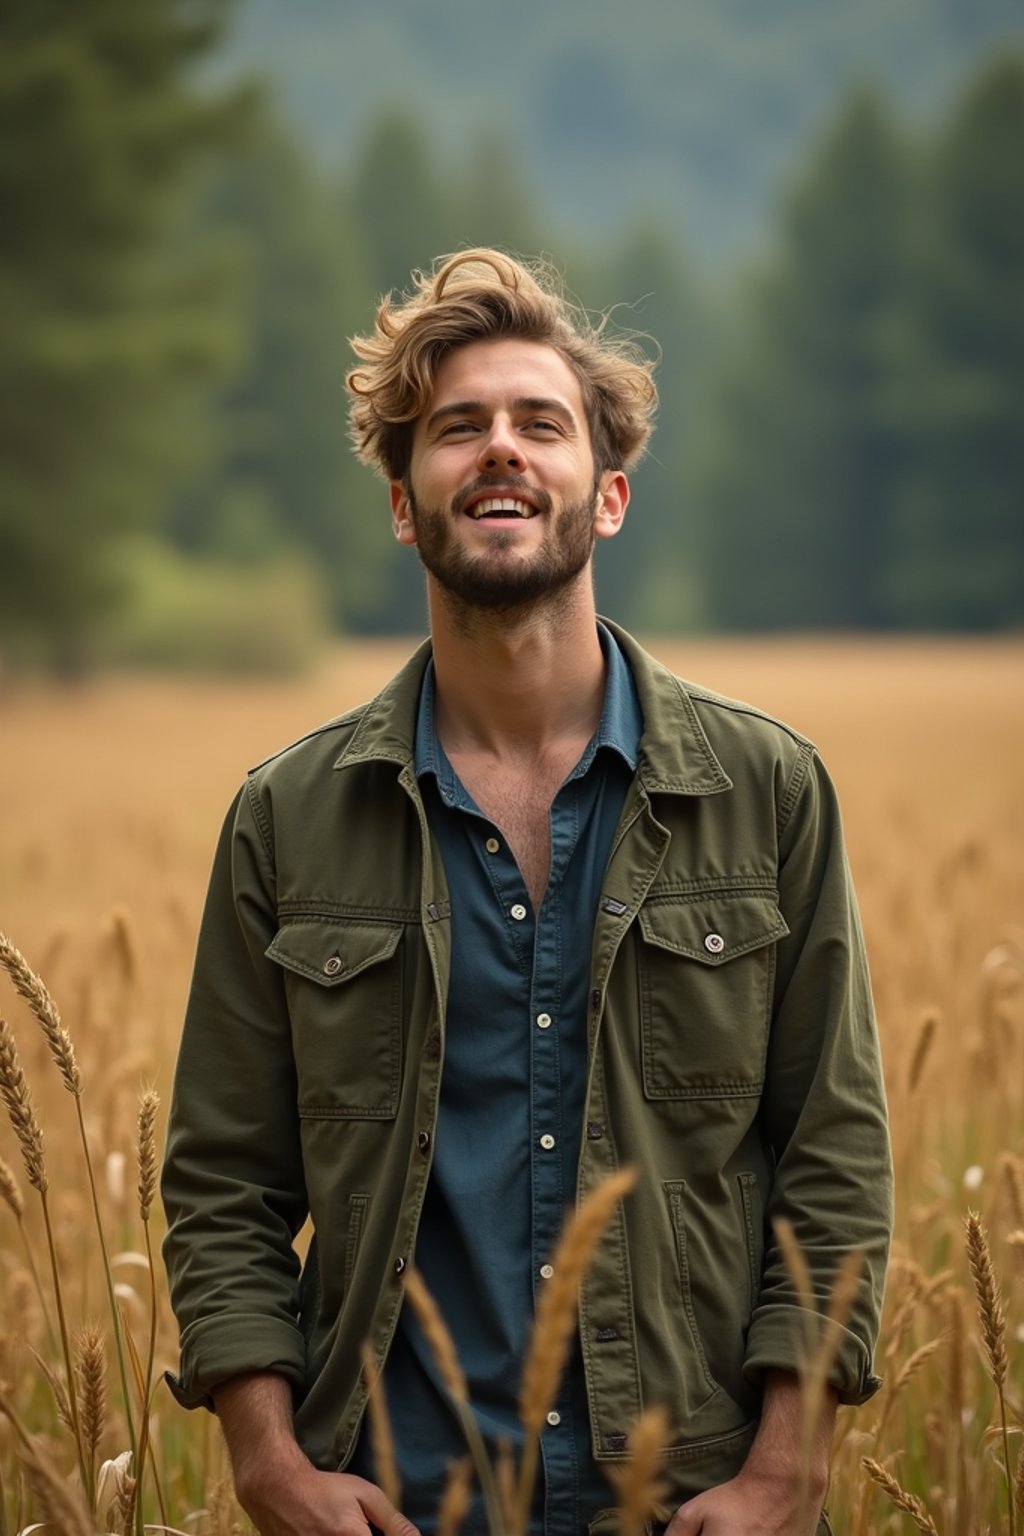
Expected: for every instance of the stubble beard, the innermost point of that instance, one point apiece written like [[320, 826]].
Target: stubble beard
[[490, 583]]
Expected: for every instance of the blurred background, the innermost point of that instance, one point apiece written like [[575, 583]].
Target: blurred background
[[816, 210]]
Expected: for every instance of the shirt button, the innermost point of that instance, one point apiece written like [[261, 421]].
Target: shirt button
[[546, 1271], [543, 1021], [492, 845], [554, 1417], [518, 911], [547, 1142], [714, 943], [332, 966]]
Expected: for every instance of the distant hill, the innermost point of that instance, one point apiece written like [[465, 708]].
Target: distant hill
[[693, 110]]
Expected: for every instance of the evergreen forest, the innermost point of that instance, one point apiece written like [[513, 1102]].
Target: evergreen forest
[[202, 201]]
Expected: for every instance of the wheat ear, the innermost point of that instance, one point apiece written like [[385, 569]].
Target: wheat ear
[[91, 1374], [442, 1347], [382, 1441], [637, 1484], [60, 1503], [455, 1500], [909, 1503], [556, 1319], [993, 1329], [32, 988], [922, 1050]]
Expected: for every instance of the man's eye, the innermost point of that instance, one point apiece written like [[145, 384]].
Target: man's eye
[[544, 426], [459, 426]]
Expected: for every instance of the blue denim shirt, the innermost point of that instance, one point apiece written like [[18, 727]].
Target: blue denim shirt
[[511, 1114]]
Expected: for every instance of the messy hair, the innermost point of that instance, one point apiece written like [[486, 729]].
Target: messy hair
[[485, 295]]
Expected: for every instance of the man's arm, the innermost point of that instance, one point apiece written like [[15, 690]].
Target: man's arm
[[278, 1487], [781, 1487]]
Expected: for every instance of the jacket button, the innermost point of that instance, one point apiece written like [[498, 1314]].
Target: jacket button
[[595, 997], [714, 943], [594, 1130], [332, 966], [399, 1265], [423, 1140]]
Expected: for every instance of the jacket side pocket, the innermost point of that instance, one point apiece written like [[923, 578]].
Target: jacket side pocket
[[753, 1231], [356, 1216], [675, 1191]]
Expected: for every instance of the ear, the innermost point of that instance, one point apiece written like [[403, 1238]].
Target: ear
[[612, 501], [401, 513]]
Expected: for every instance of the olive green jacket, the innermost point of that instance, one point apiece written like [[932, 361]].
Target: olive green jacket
[[732, 1059]]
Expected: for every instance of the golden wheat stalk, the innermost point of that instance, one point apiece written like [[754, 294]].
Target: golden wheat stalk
[[382, 1440], [442, 1347], [909, 1503], [455, 1500], [556, 1319], [14, 1091], [32, 988], [993, 1330], [149, 1104], [637, 1484]]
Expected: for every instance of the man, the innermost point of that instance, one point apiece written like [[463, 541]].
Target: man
[[537, 912]]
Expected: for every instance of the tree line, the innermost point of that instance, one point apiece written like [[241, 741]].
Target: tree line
[[840, 438]]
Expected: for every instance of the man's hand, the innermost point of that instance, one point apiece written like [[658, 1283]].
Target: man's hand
[[277, 1485], [781, 1486], [747, 1506]]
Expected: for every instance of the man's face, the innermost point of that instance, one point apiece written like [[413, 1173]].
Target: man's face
[[501, 499]]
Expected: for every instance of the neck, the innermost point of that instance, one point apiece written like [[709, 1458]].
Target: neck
[[518, 682]]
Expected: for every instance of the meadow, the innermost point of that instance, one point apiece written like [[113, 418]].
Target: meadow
[[112, 795]]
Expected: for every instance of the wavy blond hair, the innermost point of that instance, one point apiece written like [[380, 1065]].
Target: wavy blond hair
[[483, 295]]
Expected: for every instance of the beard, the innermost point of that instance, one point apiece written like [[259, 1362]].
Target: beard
[[499, 580]]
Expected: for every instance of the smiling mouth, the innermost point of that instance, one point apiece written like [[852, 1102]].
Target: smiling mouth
[[501, 506]]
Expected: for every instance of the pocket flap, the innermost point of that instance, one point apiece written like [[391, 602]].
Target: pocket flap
[[332, 951], [712, 929]]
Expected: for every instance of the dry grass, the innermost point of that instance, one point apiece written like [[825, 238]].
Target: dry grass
[[113, 796]]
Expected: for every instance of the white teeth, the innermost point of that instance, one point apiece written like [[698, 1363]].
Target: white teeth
[[501, 504]]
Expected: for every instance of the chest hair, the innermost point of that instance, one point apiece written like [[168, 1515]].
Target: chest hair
[[517, 798]]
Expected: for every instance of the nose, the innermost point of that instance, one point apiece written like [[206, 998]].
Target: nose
[[500, 448]]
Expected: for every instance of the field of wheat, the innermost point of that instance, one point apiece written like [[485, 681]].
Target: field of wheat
[[112, 795]]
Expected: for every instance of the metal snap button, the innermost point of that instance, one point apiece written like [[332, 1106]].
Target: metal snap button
[[518, 911], [554, 1417], [492, 845], [332, 966], [423, 1140], [714, 943]]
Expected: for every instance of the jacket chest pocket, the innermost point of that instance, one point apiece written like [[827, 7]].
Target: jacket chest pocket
[[343, 982], [706, 970]]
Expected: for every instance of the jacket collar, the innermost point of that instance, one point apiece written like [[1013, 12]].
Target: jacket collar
[[675, 754]]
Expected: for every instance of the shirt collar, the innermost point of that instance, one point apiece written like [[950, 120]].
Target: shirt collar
[[619, 728]]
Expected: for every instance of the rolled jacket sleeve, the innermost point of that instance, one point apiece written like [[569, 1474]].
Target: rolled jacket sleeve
[[824, 1112], [232, 1180]]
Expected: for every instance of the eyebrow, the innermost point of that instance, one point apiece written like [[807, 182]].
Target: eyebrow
[[542, 403]]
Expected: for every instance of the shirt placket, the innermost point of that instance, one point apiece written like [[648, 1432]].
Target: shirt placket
[[554, 1148]]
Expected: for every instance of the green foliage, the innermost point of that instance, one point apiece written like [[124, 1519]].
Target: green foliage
[[204, 615], [106, 338], [958, 531]]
